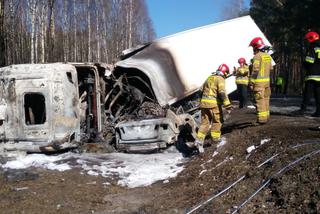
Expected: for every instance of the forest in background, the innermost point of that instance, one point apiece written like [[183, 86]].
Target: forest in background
[[285, 23], [38, 31]]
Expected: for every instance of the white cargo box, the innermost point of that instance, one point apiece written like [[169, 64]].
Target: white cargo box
[[178, 65]]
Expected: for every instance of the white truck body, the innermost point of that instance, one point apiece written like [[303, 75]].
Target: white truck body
[[178, 65]]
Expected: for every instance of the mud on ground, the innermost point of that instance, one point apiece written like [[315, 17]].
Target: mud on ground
[[296, 190]]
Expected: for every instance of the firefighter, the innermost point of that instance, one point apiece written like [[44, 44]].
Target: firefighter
[[242, 80], [259, 81], [213, 97], [312, 79]]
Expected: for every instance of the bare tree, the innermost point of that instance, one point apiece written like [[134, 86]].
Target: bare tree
[[232, 9], [10, 44], [65, 27], [35, 31], [89, 31], [74, 31], [51, 36], [2, 35], [105, 11], [43, 29], [97, 36], [32, 5]]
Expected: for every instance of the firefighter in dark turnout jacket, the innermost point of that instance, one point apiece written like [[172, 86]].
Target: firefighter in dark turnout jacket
[[213, 97], [312, 67]]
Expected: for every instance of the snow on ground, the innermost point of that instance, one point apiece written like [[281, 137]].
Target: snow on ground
[[215, 153], [283, 109], [288, 105], [263, 141], [132, 170], [222, 142], [250, 149], [36, 160], [251, 107], [254, 147]]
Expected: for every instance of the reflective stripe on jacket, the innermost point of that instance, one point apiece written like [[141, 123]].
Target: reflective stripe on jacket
[[312, 62], [312, 77], [261, 68], [242, 75], [214, 92]]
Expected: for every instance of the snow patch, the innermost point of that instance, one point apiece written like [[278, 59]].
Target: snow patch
[[165, 181], [265, 141], [143, 170], [203, 171], [221, 143], [37, 160], [215, 153], [222, 162], [250, 149], [283, 109], [131, 170]]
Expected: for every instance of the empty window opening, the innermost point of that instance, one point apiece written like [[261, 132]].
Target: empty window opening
[[35, 108], [69, 76], [88, 99], [164, 126]]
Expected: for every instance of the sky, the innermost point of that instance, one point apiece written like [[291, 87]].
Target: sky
[[173, 16]]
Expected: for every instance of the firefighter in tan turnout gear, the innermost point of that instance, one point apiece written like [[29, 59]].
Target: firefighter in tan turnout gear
[[213, 97], [242, 74], [259, 81]]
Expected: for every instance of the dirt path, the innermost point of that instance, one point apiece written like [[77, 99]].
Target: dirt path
[[296, 190]]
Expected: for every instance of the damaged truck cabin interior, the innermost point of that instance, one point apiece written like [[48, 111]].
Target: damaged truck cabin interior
[[46, 107], [145, 101], [174, 68]]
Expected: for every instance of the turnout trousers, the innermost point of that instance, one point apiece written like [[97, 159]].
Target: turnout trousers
[[242, 94], [211, 119], [307, 93], [311, 86], [262, 94]]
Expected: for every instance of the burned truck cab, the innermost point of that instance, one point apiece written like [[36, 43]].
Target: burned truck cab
[[48, 106]]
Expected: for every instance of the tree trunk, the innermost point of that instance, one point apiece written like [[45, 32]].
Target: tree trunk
[[98, 30], [51, 36], [65, 32], [42, 27], [105, 32], [32, 10], [10, 35], [89, 31], [74, 32], [130, 23], [2, 34]]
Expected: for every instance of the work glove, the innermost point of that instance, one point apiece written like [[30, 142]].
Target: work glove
[[229, 108], [250, 86], [234, 71]]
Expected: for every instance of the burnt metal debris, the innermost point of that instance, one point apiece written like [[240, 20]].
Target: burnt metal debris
[[135, 121], [152, 88], [151, 92], [54, 107]]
